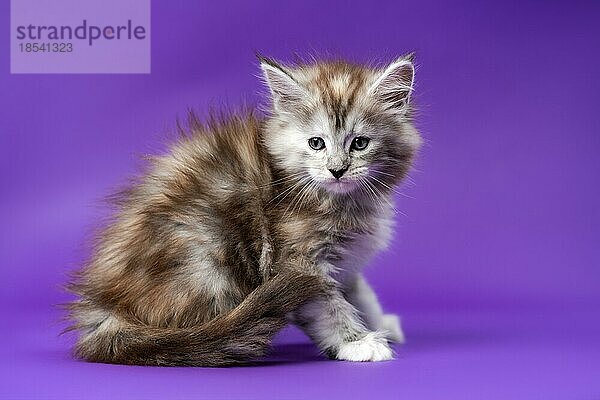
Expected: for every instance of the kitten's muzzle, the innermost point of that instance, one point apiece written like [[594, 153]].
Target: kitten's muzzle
[[337, 173]]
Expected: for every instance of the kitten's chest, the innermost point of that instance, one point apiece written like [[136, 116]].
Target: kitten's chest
[[352, 255], [341, 244]]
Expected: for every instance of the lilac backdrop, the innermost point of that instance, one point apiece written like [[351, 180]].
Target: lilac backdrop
[[495, 267]]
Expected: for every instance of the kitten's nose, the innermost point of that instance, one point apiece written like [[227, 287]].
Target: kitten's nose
[[337, 173]]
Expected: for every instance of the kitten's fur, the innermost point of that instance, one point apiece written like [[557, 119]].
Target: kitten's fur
[[242, 227]]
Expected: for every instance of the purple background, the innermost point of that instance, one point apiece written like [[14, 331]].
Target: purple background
[[495, 268]]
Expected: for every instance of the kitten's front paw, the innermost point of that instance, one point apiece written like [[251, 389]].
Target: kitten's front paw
[[373, 347], [393, 330]]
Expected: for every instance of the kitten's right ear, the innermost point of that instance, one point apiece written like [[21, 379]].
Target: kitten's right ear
[[394, 84], [286, 93]]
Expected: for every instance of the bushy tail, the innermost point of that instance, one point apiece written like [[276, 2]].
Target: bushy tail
[[237, 337]]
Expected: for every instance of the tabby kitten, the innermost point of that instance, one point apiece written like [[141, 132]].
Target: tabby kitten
[[249, 223]]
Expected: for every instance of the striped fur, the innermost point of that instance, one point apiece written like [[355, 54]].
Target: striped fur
[[240, 227]]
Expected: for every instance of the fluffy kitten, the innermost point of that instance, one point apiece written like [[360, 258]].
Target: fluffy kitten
[[248, 223]]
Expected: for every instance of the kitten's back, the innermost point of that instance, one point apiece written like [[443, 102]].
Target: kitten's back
[[186, 241]]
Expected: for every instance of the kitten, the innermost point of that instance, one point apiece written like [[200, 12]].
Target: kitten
[[249, 223]]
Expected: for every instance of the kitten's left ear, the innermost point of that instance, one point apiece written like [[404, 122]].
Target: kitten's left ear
[[393, 86], [287, 94]]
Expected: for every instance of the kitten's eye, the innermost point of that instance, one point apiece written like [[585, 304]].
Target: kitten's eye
[[316, 143], [360, 143]]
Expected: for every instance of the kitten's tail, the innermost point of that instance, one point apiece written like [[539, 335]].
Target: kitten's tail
[[235, 338]]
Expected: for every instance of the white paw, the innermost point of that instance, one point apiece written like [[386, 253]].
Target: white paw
[[373, 347], [390, 324]]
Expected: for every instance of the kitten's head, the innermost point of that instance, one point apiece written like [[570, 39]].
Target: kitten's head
[[340, 126]]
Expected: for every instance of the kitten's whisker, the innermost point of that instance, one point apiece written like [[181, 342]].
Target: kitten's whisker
[[290, 191], [279, 181], [383, 173], [297, 200], [382, 183], [311, 185], [389, 203], [393, 189], [380, 196], [298, 197], [306, 192], [287, 191], [407, 179], [369, 191], [298, 193], [410, 180], [283, 193]]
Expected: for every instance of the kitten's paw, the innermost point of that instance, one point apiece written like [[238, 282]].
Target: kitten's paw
[[373, 347], [392, 327]]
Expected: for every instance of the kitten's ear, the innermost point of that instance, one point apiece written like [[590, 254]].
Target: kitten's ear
[[394, 84], [287, 94]]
